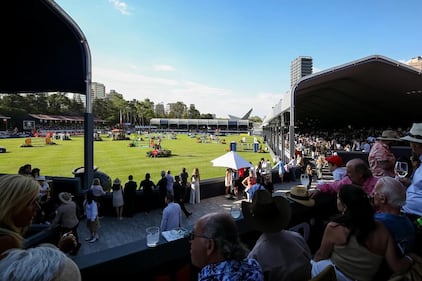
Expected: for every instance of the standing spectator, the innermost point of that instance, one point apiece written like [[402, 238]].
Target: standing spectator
[[162, 188], [179, 195], [283, 254], [195, 194], [99, 193], [381, 159], [248, 182], [319, 165], [310, 173], [91, 212], [216, 249], [335, 165], [280, 166], [170, 181], [118, 198], [228, 180], [172, 215], [66, 217], [147, 187], [129, 196], [184, 182]]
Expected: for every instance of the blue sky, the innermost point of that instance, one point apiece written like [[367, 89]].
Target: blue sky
[[227, 56]]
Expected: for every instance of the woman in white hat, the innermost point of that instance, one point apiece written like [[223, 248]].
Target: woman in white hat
[[66, 217], [118, 198]]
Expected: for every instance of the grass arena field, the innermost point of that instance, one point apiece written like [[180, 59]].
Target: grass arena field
[[118, 158]]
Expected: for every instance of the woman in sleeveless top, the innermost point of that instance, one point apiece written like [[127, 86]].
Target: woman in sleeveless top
[[354, 242]]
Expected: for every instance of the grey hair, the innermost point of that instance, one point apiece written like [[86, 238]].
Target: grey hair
[[43, 263], [393, 189], [223, 230]]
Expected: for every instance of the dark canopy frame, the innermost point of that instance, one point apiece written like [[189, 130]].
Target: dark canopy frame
[[374, 91], [44, 50]]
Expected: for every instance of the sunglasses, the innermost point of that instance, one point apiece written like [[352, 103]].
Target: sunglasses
[[192, 236]]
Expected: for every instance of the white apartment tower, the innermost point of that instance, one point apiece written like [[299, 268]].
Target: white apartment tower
[[98, 90], [416, 62], [300, 67]]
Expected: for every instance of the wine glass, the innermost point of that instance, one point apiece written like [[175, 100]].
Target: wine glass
[[401, 169], [304, 179]]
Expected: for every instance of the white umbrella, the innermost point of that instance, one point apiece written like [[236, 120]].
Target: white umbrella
[[231, 160]]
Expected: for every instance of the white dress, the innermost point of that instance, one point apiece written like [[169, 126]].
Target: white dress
[[118, 198], [195, 194]]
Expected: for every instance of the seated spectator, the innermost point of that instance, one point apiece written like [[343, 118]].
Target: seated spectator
[[216, 249], [355, 243], [172, 214], [39, 263], [381, 159], [358, 173], [335, 165], [18, 207], [389, 195], [282, 254]]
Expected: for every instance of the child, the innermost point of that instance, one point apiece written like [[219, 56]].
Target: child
[[91, 211]]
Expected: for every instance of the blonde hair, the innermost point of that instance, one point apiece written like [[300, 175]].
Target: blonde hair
[[16, 193]]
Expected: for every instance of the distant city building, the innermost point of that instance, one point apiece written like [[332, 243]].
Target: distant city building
[[159, 109], [416, 62], [300, 67], [98, 90], [169, 107]]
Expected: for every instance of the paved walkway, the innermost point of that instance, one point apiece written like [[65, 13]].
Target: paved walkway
[[114, 232]]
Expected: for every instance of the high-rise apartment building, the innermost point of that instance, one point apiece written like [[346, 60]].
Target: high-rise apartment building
[[159, 109], [98, 90], [416, 62], [300, 67]]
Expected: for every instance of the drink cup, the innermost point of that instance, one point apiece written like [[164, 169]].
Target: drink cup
[[153, 236], [235, 210]]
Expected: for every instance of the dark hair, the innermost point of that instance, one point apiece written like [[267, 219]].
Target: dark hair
[[89, 196], [223, 230], [176, 178], [359, 213], [147, 175], [130, 177]]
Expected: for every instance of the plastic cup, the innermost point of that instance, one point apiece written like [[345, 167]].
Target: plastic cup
[[153, 236], [235, 210]]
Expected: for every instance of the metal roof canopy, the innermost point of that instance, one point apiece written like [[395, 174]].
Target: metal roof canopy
[[374, 91], [44, 50]]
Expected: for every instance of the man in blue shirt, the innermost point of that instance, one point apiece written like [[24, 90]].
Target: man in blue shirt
[[216, 249]]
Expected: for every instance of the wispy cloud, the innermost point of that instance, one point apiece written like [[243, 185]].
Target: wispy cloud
[[121, 6], [164, 68]]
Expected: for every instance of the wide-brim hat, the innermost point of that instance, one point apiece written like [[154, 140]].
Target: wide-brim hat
[[415, 133], [65, 197], [335, 159], [117, 181], [40, 178], [267, 213], [389, 135], [300, 195]]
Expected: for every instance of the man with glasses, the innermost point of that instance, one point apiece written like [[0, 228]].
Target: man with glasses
[[216, 249]]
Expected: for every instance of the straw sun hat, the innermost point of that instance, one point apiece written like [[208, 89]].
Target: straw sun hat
[[415, 133], [65, 197], [300, 195]]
